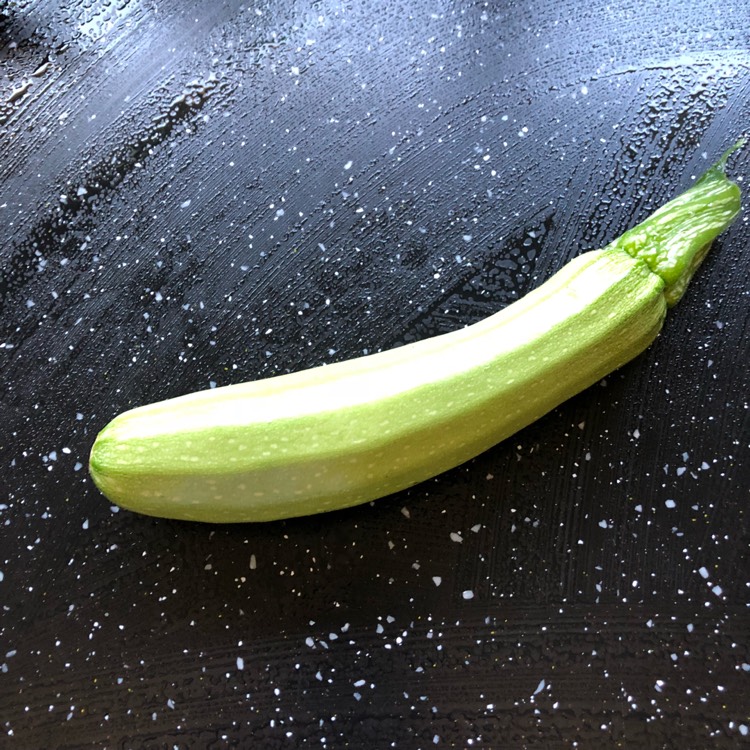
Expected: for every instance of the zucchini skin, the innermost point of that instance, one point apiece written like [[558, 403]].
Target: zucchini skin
[[348, 433]]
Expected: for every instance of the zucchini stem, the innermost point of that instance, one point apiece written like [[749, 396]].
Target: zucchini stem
[[674, 240]]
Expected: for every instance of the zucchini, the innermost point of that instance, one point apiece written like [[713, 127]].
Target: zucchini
[[343, 434]]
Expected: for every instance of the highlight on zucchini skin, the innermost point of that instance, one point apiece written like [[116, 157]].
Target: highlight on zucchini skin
[[348, 433]]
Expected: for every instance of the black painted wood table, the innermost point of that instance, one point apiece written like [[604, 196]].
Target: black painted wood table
[[200, 193]]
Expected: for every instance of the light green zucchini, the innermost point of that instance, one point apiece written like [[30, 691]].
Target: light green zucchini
[[335, 436]]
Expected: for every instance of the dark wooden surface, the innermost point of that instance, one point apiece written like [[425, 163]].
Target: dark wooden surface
[[208, 192]]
